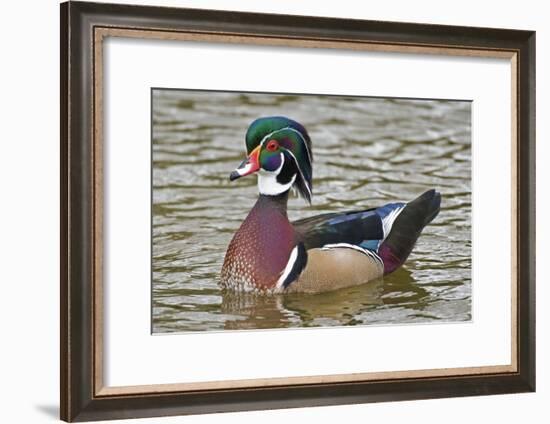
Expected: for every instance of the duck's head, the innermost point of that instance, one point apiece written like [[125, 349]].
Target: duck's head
[[279, 151]]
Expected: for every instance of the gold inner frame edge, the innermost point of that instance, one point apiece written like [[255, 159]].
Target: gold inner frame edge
[[101, 391]]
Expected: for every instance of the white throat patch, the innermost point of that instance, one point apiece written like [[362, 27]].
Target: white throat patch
[[268, 184]]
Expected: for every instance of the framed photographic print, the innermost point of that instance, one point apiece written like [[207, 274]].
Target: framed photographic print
[[268, 211]]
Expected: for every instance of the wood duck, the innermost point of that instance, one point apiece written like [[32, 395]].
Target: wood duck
[[269, 253]]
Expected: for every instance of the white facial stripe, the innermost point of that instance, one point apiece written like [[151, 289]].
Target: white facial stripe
[[288, 267], [268, 136], [305, 143], [301, 173]]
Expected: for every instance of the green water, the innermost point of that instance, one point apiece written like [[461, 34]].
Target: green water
[[367, 152]]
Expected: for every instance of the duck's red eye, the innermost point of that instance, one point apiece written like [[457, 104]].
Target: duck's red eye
[[272, 145]]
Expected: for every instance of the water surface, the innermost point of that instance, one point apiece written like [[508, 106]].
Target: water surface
[[367, 151]]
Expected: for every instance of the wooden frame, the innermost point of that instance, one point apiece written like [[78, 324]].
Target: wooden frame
[[83, 27]]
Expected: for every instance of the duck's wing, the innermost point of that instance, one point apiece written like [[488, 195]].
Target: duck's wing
[[387, 233], [363, 228]]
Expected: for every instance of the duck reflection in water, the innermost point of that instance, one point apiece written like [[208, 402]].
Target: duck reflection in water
[[348, 306]]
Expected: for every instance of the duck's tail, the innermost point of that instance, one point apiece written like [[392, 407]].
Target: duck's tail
[[406, 228]]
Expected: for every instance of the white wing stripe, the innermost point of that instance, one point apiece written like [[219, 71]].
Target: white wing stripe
[[389, 219], [367, 252]]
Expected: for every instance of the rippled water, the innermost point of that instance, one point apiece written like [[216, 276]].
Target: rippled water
[[367, 151]]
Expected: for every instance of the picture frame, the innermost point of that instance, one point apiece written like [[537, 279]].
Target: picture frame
[[84, 27]]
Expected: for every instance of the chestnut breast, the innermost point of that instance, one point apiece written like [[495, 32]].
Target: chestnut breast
[[260, 249]]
